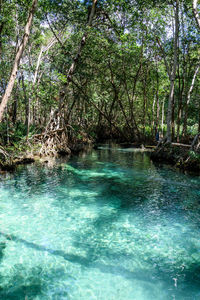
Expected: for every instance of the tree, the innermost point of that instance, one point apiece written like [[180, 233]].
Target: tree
[[196, 14], [18, 56], [172, 75]]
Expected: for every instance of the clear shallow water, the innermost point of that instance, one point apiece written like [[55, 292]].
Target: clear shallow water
[[106, 225]]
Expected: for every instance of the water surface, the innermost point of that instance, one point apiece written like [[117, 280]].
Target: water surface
[[106, 225]]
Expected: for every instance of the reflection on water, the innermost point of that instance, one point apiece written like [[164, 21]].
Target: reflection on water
[[108, 224]]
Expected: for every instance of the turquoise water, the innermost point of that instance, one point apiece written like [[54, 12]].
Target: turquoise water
[[106, 225]]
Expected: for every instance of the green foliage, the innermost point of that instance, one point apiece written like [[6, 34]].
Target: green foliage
[[120, 79], [194, 155]]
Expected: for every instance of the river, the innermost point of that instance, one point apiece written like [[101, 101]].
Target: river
[[107, 225]]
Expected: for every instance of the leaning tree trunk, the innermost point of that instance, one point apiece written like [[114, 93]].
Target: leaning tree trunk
[[173, 75], [18, 56]]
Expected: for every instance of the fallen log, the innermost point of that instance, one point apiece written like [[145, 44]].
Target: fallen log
[[181, 145]]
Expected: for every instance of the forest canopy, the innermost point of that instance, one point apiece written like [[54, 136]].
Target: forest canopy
[[122, 69]]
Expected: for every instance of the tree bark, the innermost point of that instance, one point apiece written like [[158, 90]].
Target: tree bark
[[188, 100], [1, 27], [153, 112], [199, 118], [18, 56], [15, 104], [182, 79], [157, 101], [163, 112], [180, 105], [144, 107], [36, 83], [195, 12], [173, 75], [27, 104], [173, 119]]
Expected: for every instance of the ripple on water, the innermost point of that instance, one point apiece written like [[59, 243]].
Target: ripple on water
[[108, 225]]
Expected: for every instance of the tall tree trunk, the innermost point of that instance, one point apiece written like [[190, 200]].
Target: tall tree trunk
[[163, 114], [36, 83], [188, 100], [181, 79], [199, 117], [196, 14], [153, 112], [173, 119], [173, 75], [7, 126], [180, 105], [157, 100], [18, 56], [27, 104], [144, 109], [1, 27], [15, 104]]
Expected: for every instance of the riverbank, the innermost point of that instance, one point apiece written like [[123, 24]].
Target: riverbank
[[179, 155], [11, 157]]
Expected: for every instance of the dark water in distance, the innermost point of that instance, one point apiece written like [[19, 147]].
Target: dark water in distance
[[105, 225]]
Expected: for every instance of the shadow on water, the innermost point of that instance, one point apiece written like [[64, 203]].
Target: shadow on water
[[21, 287], [141, 189], [81, 260], [28, 284], [161, 271], [2, 247], [22, 292]]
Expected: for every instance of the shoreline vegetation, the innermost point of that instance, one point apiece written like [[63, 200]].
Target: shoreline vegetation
[[183, 156], [9, 160], [79, 72]]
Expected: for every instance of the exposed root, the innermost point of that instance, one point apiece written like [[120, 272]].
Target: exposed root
[[6, 161], [59, 137], [195, 146], [52, 142], [4, 154]]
